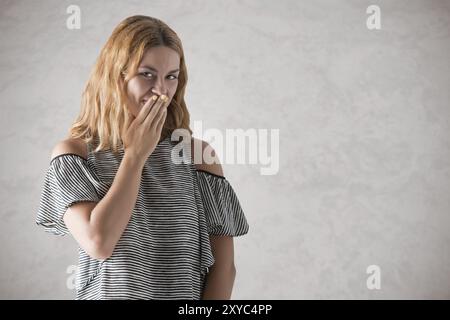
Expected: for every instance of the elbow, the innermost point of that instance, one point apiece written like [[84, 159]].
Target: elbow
[[233, 269], [99, 253], [229, 270], [98, 248]]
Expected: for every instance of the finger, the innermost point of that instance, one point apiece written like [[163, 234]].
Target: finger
[[131, 118], [161, 120], [147, 107], [159, 104], [158, 117]]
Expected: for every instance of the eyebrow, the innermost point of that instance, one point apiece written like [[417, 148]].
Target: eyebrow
[[154, 69]]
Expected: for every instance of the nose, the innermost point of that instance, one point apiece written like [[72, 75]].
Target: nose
[[159, 92], [159, 89]]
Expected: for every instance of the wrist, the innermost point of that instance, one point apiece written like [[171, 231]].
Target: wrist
[[133, 161]]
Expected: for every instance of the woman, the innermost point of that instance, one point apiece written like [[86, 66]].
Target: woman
[[147, 227]]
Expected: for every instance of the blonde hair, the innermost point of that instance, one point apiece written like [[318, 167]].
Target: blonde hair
[[104, 114]]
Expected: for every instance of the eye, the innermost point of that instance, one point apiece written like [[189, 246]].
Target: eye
[[149, 75], [146, 74]]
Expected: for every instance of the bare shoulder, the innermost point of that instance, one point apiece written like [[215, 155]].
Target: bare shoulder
[[70, 145], [208, 160]]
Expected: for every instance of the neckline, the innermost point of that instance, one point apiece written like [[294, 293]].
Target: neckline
[[90, 146], [67, 154], [95, 140]]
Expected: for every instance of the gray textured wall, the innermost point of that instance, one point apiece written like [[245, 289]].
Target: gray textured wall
[[364, 136]]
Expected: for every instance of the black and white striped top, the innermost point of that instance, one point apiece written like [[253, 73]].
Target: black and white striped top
[[164, 252]]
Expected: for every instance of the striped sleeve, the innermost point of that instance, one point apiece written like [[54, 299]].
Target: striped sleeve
[[224, 215], [68, 180]]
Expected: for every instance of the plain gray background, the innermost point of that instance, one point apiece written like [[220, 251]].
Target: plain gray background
[[364, 137]]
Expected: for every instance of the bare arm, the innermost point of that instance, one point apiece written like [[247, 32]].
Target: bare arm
[[111, 215], [220, 279], [98, 226]]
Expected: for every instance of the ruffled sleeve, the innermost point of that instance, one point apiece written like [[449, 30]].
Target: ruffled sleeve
[[223, 212], [68, 180]]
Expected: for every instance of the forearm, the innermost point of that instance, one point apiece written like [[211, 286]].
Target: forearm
[[219, 282], [111, 215]]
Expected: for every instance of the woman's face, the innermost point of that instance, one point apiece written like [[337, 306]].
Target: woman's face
[[159, 69]]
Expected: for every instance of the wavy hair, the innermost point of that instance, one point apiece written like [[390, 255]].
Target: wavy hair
[[104, 114]]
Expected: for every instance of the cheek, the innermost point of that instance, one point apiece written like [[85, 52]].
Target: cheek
[[132, 90], [172, 91], [135, 89]]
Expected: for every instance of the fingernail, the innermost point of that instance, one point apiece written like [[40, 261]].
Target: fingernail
[[154, 97]]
